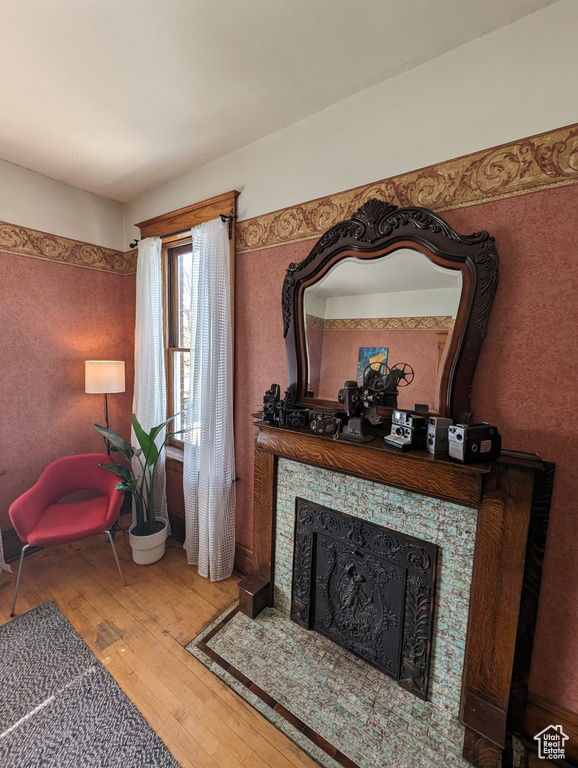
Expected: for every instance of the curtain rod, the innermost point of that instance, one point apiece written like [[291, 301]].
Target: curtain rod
[[224, 218]]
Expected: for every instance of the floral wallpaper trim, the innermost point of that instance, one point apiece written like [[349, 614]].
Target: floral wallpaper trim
[[23, 241], [538, 162], [434, 323]]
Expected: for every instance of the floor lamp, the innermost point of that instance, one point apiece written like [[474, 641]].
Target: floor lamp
[[103, 377]]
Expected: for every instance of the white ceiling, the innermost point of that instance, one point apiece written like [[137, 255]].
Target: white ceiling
[[119, 96], [400, 271]]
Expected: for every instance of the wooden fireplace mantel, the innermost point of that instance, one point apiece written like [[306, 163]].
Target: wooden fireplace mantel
[[512, 499]]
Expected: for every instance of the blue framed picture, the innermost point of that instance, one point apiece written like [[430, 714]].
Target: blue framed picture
[[369, 355]]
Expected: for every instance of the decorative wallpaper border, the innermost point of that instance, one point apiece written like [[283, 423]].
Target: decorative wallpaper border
[[535, 163], [434, 323], [23, 241]]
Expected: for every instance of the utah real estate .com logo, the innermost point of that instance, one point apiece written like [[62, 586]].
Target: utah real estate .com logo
[[551, 743]]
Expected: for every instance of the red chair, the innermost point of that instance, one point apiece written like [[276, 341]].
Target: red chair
[[40, 521]]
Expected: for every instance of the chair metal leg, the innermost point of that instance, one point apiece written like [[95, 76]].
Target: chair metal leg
[[24, 548], [111, 539]]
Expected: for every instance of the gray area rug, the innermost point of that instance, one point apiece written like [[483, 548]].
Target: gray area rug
[[60, 708]]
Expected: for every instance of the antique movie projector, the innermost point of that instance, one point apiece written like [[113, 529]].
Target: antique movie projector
[[360, 401]]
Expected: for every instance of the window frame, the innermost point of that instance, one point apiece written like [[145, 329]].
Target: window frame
[[175, 230]]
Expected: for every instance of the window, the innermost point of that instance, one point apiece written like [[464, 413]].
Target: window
[[178, 261], [175, 230]]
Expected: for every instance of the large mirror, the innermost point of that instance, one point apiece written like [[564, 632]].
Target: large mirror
[[397, 310], [397, 286]]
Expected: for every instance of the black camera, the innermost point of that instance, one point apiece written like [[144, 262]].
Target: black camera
[[324, 423], [271, 404], [295, 417], [470, 443]]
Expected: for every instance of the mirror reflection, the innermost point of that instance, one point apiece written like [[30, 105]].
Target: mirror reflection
[[398, 310]]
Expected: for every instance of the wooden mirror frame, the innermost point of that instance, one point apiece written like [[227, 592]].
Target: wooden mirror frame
[[377, 229]]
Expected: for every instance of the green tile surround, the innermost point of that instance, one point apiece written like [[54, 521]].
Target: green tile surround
[[451, 526], [246, 642], [355, 707]]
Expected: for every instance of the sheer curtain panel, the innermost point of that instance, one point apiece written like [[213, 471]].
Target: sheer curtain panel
[[209, 461], [150, 390]]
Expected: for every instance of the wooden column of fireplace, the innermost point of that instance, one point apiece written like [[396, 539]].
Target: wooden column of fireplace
[[512, 499]]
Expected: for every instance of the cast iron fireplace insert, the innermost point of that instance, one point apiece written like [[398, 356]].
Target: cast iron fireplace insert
[[368, 588]]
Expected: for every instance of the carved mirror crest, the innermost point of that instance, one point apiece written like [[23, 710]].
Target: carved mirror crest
[[398, 282]]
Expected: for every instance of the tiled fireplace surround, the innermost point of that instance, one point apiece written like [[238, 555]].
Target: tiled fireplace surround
[[406, 725], [479, 517]]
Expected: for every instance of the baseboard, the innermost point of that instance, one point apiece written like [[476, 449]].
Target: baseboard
[[243, 554], [12, 545], [540, 713], [243, 559]]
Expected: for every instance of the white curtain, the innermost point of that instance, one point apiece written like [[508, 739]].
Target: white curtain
[[150, 389], [209, 462]]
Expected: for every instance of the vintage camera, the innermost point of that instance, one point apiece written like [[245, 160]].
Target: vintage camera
[[350, 396], [295, 417], [437, 435], [324, 423], [356, 401], [271, 404], [470, 443], [407, 431]]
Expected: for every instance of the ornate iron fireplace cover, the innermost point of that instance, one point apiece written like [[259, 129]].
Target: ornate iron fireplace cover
[[368, 588]]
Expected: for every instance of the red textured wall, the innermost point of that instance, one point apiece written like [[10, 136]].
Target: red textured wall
[[53, 317], [525, 383], [418, 348], [314, 340]]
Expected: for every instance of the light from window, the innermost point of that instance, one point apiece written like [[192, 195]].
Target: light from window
[[180, 268]]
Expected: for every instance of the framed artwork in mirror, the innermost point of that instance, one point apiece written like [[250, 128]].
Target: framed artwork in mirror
[[399, 280], [368, 356]]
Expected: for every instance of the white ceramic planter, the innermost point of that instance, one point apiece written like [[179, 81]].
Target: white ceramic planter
[[147, 550]]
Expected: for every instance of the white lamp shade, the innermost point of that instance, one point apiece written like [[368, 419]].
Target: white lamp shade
[[103, 376]]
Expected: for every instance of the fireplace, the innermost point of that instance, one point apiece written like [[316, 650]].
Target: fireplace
[[488, 522], [440, 537], [368, 588]]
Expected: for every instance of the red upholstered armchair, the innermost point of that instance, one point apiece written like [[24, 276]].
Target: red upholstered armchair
[[39, 520]]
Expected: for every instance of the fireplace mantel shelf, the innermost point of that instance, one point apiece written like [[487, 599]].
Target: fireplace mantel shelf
[[416, 471], [512, 499]]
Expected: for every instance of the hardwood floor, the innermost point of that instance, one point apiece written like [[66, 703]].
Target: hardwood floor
[[139, 632]]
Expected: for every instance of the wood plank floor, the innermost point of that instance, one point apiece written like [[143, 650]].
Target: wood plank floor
[[139, 632]]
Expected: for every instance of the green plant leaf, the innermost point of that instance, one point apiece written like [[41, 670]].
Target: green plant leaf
[[141, 435], [119, 470], [123, 486], [155, 430], [125, 448], [150, 450], [152, 456]]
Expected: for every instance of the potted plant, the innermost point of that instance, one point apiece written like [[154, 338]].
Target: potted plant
[[147, 535]]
